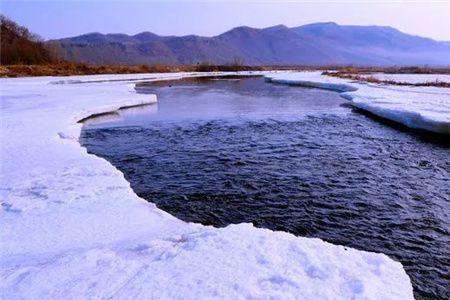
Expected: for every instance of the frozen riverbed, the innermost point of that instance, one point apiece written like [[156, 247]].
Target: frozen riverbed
[[72, 228], [426, 108]]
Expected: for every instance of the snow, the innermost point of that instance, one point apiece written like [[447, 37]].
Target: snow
[[411, 78], [72, 228], [426, 108]]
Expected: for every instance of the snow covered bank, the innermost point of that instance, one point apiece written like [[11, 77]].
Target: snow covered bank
[[72, 228], [411, 78], [425, 108]]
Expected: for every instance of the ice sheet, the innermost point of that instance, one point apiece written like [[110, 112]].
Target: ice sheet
[[72, 228]]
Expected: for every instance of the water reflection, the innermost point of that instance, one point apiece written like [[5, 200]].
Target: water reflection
[[120, 116], [233, 99]]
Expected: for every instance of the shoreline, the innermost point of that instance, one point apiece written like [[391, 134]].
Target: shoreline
[[383, 100]]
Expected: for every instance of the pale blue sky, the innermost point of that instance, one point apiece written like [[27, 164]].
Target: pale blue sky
[[55, 19]]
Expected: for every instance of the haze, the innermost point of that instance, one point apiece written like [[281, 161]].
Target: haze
[[57, 19]]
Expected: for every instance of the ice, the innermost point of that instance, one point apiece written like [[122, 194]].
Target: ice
[[426, 108], [72, 228], [412, 78]]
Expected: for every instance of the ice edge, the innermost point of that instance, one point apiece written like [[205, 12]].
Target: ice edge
[[408, 118]]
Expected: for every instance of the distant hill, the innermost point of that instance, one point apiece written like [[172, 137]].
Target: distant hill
[[19, 46], [314, 44]]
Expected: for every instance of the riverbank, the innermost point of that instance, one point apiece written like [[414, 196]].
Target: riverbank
[[417, 80], [77, 69], [419, 107], [74, 69]]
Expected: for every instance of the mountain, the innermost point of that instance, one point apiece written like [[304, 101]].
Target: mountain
[[380, 44], [313, 44]]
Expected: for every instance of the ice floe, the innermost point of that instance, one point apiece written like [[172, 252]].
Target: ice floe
[[426, 108], [72, 228]]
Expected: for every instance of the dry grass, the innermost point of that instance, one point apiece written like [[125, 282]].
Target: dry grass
[[67, 69], [71, 68]]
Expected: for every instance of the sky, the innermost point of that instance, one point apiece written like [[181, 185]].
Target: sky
[[57, 19]]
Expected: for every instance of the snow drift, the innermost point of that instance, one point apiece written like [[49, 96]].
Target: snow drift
[[72, 228]]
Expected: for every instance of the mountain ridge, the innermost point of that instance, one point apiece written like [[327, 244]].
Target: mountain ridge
[[325, 43]]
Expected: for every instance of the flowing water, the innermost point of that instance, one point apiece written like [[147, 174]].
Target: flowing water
[[287, 158]]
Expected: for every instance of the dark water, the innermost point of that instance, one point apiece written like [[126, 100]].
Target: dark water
[[292, 159]]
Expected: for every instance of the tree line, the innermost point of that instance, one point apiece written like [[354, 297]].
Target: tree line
[[20, 46]]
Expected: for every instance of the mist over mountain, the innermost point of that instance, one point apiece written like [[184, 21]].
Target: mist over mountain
[[313, 44]]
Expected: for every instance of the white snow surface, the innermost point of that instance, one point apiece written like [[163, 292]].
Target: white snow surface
[[72, 228], [411, 78], [426, 108]]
